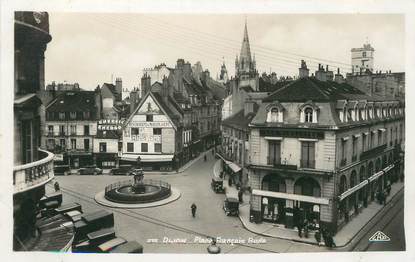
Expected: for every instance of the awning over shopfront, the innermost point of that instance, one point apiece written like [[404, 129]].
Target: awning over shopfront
[[353, 189], [235, 168], [302, 198], [147, 158], [365, 182]]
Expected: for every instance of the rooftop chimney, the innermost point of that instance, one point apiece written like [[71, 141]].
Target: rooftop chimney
[[321, 74], [338, 78], [145, 84], [303, 70], [118, 85]]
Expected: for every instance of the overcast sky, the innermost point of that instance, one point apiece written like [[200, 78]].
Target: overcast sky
[[90, 49]]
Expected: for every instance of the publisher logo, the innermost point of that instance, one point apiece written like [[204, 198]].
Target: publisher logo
[[379, 236]]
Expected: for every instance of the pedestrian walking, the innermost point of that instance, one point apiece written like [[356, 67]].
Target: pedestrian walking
[[306, 225], [331, 240], [240, 196], [193, 207], [57, 187], [317, 236], [205, 157]]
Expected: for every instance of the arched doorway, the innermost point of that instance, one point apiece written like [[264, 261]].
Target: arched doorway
[[306, 186], [273, 209]]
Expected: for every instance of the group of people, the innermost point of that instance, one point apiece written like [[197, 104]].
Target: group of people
[[321, 234], [381, 194]]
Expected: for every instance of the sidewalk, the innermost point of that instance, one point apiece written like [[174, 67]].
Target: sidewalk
[[181, 169], [342, 238]]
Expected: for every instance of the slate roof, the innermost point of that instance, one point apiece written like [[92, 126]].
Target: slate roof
[[73, 101], [309, 88], [172, 112], [239, 120], [266, 86]]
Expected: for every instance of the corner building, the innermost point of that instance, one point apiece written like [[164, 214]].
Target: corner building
[[321, 149]]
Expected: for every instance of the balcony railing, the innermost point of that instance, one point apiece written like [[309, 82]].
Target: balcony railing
[[31, 175], [276, 163], [372, 152], [273, 161], [307, 163]]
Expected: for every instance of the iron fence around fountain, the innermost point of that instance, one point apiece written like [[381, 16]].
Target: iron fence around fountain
[[130, 182], [112, 191]]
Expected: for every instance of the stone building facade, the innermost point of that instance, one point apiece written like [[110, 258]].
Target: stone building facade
[[321, 150]]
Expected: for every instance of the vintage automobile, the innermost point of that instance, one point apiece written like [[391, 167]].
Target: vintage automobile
[[90, 170], [122, 170], [61, 170], [231, 206], [92, 222], [217, 185]]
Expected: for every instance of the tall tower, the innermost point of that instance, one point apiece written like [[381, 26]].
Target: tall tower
[[362, 58], [245, 66]]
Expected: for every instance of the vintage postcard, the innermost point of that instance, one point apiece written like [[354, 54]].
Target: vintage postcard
[[183, 130]]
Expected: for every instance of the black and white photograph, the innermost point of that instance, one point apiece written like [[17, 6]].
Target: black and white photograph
[[149, 130]]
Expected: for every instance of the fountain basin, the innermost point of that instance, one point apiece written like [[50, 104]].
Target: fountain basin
[[126, 192]]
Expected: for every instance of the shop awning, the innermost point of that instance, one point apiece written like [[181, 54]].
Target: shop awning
[[353, 189], [302, 198], [363, 183], [147, 158], [235, 168]]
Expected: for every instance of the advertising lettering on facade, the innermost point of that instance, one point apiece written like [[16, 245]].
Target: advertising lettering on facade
[[149, 124], [110, 124]]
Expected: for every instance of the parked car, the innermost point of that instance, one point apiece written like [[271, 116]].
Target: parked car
[[217, 185], [122, 170], [61, 170], [231, 206], [90, 170]]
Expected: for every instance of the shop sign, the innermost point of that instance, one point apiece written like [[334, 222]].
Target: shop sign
[[58, 157], [110, 124], [149, 124], [146, 138]]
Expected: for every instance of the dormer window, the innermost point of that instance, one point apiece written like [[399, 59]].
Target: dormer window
[[362, 114], [275, 113], [308, 112], [378, 112], [308, 115]]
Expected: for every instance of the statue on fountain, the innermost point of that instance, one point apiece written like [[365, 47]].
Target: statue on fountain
[[138, 186]]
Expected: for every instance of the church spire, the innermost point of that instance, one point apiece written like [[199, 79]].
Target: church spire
[[245, 64], [245, 49]]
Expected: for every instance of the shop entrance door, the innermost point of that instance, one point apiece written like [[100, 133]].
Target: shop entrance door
[[76, 163]]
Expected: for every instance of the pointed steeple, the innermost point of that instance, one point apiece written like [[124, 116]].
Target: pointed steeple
[[245, 64], [245, 49]]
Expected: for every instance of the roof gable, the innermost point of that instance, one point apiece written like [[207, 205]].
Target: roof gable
[[151, 104]]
